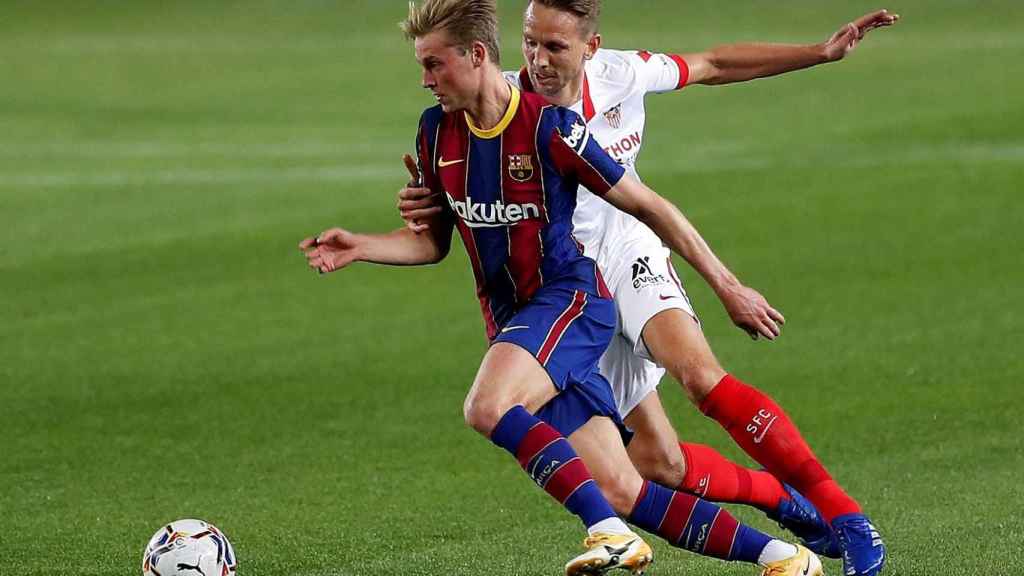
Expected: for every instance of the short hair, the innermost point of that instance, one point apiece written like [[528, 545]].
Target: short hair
[[466, 21], [588, 11]]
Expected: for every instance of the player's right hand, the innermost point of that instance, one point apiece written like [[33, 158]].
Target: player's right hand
[[846, 38], [750, 311], [417, 204], [331, 250]]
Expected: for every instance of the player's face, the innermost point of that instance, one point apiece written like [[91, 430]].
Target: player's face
[[448, 71], [554, 47]]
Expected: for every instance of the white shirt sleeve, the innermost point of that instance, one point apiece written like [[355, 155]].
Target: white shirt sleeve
[[660, 72]]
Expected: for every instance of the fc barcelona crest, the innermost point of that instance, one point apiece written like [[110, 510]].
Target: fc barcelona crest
[[520, 167], [614, 117]]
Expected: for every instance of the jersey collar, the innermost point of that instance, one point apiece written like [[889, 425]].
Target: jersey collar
[[510, 112], [587, 102]]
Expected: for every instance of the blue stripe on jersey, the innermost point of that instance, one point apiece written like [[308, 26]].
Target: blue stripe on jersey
[[560, 247], [484, 188]]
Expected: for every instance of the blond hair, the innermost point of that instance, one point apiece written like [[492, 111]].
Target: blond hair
[[465, 21], [588, 11]]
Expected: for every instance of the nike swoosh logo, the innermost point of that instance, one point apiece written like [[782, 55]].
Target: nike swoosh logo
[[442, 164], [617, 551], [757, 440], [663, 297], [615, 554], [511, 328], [807, 569]]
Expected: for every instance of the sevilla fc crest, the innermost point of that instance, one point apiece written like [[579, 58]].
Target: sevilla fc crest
[[520, 167], [614, 116]]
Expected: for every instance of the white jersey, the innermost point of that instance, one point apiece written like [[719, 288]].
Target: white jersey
[[615, 83]]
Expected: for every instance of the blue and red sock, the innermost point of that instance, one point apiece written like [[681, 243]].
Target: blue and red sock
[[688, 522], [552, 463]]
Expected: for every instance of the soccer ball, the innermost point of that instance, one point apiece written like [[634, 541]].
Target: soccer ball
[[188, 547]]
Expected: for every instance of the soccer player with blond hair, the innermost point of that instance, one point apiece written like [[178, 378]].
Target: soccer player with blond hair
[[657, 326], [508, 165]]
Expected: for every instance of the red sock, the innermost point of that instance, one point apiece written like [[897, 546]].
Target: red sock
[[767, 434], [711, 476]]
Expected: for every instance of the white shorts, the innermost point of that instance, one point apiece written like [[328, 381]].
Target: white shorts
[[644, 283]]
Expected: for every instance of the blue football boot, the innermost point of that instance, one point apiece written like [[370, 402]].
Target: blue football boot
[[863, 550], [801, 517]]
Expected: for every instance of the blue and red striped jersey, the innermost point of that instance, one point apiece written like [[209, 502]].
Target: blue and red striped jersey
[[511, 191]]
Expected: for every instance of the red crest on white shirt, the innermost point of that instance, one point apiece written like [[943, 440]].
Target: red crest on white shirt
[[614, 116]]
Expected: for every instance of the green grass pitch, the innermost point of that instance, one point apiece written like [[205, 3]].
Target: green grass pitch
[[164, 352]]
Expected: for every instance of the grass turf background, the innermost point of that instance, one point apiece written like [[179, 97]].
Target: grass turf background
[[164, 353]]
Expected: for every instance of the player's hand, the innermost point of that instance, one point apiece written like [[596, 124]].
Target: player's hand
[[331, 250], [416, 203], [846, 38], [750, 311]]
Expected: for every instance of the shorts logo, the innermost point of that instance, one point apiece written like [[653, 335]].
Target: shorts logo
[[644, 276], [614, 116], [520, 167]]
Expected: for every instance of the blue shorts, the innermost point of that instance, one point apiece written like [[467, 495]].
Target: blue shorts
[[567, 331]]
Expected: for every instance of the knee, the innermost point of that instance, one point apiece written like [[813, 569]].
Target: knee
[[483, 413]]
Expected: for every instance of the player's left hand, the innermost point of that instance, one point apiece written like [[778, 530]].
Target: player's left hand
[[330, 250], [750, 311], [416, 203], [846, 38]]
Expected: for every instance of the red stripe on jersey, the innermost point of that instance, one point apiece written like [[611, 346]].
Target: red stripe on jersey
[[602, 288], [588, 103], [569, 162], [684, 69], [721, 536], [677, 516], [469, 240], [521, 183], [537, 438], [644, 55], [558, 329], [453, 152], [567, 479]]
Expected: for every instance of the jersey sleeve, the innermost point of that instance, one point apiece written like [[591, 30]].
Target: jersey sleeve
[[576, 153], [426, 144], [660, 72], [426, 157]]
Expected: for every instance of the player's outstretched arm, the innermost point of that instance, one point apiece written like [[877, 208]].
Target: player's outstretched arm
[[336, 248], [747, 307], [741, 62]]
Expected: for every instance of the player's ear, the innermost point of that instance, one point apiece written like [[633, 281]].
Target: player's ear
[[592, 45], [478, 53]]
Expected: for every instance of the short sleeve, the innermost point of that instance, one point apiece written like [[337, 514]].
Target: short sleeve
[[426, 142], [660, 72], [576, 153]]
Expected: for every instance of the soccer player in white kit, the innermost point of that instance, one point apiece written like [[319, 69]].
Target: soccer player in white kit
[[657, 324]]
